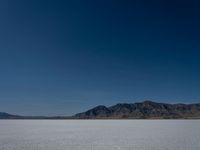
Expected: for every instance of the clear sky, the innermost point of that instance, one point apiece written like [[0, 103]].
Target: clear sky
[[62, 57]]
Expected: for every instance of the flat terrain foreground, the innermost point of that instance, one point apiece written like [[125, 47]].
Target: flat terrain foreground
[[99, 134]]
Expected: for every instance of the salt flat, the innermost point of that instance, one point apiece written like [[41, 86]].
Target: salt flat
[[99, 135]]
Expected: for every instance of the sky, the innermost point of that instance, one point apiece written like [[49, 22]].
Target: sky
[[62, 57]]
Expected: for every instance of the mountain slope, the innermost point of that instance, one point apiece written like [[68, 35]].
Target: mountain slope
[[4, 115], [144, 110]]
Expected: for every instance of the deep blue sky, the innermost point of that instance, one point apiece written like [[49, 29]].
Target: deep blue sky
[[62, 57]]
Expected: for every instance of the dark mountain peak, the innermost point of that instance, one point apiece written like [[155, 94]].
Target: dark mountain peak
[[97, 112], [121, 105]]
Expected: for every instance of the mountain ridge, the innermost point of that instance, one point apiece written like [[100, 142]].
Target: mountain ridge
[[139, 110], [143, 110]]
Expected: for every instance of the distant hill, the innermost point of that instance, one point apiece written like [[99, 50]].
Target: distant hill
[[143, 110], [4, 115]]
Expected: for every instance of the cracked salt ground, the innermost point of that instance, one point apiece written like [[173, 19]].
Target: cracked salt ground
[[99, 134]]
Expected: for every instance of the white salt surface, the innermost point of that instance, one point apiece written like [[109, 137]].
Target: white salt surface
[[99, 135]]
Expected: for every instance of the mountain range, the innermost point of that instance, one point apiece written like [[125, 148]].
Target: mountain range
[[142, 110]]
